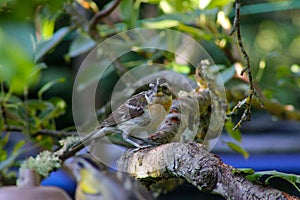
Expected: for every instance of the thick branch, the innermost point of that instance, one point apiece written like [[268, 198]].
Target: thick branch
[[193, 162]]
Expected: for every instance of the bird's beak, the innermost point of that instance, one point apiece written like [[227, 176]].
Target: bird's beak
[[158, 94]]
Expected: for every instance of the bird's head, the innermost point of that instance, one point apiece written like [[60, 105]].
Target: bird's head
[[159, 93], [83, 165]]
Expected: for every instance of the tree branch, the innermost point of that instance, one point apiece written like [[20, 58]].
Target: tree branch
[[103, 13], [52, 133], [194, 163]]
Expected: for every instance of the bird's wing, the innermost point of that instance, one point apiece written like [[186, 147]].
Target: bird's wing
[[132, 108]]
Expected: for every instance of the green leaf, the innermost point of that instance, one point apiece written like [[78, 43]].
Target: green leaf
[[80, 45], [129, 13], [238, 149], [194, 31], [289, 183], [56, 107], [18, 146], [12, 157], [16, 63], [5, 158], [228, 74], [15, 99], [48, 85], [3, 155], [269, 7], [151, 1], [39, 113], [285, 185], [39, 67], [4, 140], [235, 134], [248, 171], [218, 3], [60, 106], [167, 23], [290, 177], [45, 46], [183, 69]]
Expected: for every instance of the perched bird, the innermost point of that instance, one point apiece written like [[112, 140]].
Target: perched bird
[[138, 116], [95, 182]]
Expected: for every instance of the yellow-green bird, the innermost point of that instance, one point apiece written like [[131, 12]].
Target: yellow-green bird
[[94, 182]]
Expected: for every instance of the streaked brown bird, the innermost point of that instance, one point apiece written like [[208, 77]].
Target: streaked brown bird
[[139, 116]]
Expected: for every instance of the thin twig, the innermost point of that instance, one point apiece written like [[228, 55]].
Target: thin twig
[[3, 110], [103, 13], [52, 133], [236, 20], [247, 101]]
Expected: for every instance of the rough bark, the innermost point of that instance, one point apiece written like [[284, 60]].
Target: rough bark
[[194, 163]]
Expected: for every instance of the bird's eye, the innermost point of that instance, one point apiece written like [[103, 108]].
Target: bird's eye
[[164, 87]]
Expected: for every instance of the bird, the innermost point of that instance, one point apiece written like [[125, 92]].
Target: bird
[[140, 115], [95, 182]]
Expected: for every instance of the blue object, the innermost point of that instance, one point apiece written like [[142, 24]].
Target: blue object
[[288, 163], [61, 179]]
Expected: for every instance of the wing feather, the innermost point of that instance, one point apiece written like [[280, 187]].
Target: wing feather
[[132, 108]]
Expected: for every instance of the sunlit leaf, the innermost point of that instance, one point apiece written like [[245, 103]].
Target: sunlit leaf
[[218, 3], [168, 23], [3, 155], [47, 29], [235, 134], [238, 149], [16, 64], [60, 106], [194, 31], [151, 1], [18, 146], [184, 69], [44, 47], [245, 171], [128, 13], [178, 6]]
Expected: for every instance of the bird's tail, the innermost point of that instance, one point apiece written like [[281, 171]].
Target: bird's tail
[[97, 134]]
